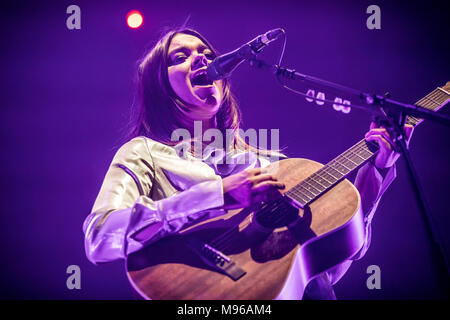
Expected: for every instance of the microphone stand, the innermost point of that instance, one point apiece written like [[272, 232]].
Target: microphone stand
[[393, 112]]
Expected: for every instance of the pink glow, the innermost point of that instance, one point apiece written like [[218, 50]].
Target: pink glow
[[134, 19]]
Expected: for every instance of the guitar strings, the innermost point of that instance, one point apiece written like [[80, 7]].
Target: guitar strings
[[264, 213], [270, 208], [360, 146], [277, 207]]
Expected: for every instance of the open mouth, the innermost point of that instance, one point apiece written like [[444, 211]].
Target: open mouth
[[201, 80]]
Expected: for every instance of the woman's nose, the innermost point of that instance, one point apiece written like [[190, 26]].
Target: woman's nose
[[200, 61]]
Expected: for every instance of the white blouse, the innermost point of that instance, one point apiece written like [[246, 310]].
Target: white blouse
[[149, 191]]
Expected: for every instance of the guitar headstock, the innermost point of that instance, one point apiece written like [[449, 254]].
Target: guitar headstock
[[433, 101], [446, 87]]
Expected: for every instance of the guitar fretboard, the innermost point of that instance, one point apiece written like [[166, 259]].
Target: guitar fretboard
[[433, 101], [337, 169]]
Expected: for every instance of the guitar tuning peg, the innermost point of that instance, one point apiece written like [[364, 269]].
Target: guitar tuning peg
[[338, 104], [341, 105], [320, 98], [311, 93], [346, 109]]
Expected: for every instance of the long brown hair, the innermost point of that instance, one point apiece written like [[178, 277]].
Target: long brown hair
[[155, 112]]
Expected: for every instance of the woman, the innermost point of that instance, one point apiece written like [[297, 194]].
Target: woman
[[150, 191]]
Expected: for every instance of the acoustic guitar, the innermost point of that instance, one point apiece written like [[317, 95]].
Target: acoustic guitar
[[248, 253]]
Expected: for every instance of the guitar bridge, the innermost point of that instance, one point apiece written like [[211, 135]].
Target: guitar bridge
[[217, 259]]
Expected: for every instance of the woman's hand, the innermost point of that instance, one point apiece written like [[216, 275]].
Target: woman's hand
[[249, 187], [387, 155]]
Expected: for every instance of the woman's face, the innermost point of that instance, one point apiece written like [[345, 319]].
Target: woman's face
[[188, 58]]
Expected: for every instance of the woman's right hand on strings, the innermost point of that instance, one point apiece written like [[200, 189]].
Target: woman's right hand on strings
[[249, 187]]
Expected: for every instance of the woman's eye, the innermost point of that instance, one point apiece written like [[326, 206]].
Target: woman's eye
[[180, 58], [209, 55]]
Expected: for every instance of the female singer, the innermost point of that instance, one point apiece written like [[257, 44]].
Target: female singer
[[150, 191]]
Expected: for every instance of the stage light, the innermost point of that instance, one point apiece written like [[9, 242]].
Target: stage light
[[134, 19]]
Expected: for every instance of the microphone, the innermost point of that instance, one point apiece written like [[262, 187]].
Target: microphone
[[223, 65]]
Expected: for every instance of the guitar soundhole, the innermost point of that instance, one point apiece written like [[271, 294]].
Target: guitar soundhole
[[276, 214]]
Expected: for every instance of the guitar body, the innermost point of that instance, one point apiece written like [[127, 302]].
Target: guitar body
[[302, 244], [253, 253]]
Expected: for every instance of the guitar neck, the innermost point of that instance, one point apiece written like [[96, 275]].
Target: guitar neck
[[337, 169], [432, 101]]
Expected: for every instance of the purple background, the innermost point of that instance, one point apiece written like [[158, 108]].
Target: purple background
[[65, 96]]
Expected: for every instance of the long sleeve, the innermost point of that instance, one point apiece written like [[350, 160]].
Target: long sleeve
[[124, 218], [371, 184]]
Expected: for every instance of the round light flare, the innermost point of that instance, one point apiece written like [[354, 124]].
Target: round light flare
[[134, 19]]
